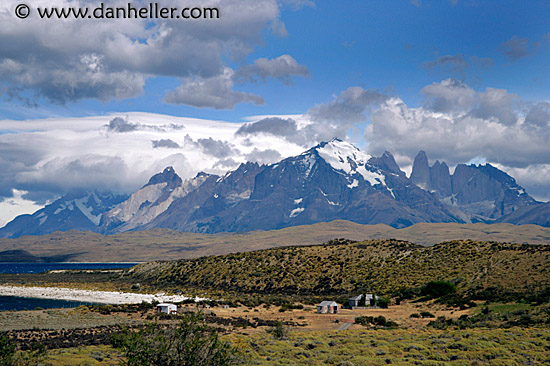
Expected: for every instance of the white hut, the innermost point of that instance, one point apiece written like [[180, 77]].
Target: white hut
[[327, 307], [167, 308]]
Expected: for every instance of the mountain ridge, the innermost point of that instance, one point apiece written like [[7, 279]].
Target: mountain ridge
[[330, 181]]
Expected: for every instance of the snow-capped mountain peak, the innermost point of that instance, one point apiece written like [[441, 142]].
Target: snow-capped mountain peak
[[76, 210], [343, 156]]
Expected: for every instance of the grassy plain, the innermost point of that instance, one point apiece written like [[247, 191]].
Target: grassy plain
[[321, 339]]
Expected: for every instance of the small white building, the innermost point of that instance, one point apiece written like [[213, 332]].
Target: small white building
[[167, 308], [327, 307]]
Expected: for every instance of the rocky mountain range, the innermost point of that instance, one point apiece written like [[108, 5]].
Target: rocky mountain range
[[477, 193], [74, 211], [333, 180]]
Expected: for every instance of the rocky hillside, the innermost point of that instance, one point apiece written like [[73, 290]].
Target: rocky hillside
[[150, 201], [537, 215], [343, 267]]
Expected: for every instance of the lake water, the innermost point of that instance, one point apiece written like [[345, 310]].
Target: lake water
[[27, 303], [43, 267], [24, 303]]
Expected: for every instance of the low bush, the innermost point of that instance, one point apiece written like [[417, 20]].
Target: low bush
[[279, 330], [437, 289], [379, 321], [191, 343]]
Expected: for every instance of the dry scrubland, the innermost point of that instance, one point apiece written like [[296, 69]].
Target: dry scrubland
[[364, 347], [164, 244], [401, 347], [316, 340], [498, 313], [343, 268]]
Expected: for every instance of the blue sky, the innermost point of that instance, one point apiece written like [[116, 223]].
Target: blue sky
[[383, 45], [464, 80]]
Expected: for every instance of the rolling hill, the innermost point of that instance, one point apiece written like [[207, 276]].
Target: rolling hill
[[342, 267], [165, 244]]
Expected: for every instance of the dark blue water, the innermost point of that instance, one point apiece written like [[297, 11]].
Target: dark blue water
[[43, 267], [25, 303]]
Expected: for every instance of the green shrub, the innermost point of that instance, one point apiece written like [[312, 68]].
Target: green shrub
[[279, 330], [437, 289], [379, 321], [382, 302], [7, 350], [10, 357], [190, 343]]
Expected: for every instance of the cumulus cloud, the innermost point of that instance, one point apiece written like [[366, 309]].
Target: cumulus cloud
[[497, 103], [217, 148], [49, 158], [448, 95], [284, 127], [213, 92], [516, 48], [224, 164], [16, 159], [263, 156], [539, 115], [453, 63], [167, 143], [348, 107], [111, 60], [337, 117], [485, 125], [322, 122], [282, 68], [87, 172]]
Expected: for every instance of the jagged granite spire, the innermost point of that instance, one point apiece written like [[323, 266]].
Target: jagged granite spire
[[440, 179], [168, 175], [387, 162], [421, 170]]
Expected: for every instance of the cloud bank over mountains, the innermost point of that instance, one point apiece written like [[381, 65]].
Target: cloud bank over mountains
[[457, 124], [251, 56]]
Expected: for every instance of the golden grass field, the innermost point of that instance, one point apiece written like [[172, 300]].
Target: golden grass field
[[319, 340]]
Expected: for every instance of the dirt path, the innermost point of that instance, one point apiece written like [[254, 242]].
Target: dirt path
[[345, 326]]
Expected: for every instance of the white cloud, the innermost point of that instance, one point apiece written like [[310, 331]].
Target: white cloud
[[448, 95], [72, 59], [458, 125], [14, 206], [49, 157], [348, 107], [213, 92]]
